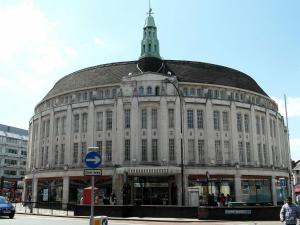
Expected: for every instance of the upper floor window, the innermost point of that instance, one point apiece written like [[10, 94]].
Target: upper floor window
[[144, 119], [191, 150], [239, 122], [149, 90], [263, 131], [127, 118], [57, 126], [171, 149], [63, 125], [108, 151], [84, 122], [154, 118], [108, 120], [171, 118], [114, 93], [99, 121], [246, 123], [200, 119], [127, 150], [185, 91], [192, 91], [141, 91], [216, 94], [200, 92], [107, 93], [157, 91], [216, 120], [11, 151], [190, 118], [76, 123], [257, 124], [225, 121]]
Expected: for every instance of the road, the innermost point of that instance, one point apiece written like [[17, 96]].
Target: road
[[22, 219]]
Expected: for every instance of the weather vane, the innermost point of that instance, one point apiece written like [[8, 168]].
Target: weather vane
[[150, 10]]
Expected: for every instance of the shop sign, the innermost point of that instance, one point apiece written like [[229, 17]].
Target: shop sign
[[237, 211]]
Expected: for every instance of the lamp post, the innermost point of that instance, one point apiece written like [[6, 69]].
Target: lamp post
[[167, 80]]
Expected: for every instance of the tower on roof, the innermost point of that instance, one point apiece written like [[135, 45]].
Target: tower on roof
[[150, 43]]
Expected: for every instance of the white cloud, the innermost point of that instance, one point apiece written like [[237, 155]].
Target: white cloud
[[295, 148], [293, 106]]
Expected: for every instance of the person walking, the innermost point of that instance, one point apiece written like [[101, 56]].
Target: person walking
[[289, 212]]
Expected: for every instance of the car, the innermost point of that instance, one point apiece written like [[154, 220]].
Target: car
[[6, 208]]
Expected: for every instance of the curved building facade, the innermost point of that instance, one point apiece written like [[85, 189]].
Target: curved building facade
[[169, 132]]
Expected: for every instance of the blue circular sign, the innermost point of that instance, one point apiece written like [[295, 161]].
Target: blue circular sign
[[92, 160], [104, 221]]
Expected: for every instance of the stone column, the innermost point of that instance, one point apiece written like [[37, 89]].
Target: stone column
[[178, 182], [234, 134], [68, 141], [211, 156], [253, 137], [91, 125], [120, 131], [163, 131], [134, 128], [38, 142], [274, 194], [66, 185], [178, 135], [237, 187], [35, 189], [52, 139]]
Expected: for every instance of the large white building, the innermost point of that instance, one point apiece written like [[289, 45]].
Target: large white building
[[169, 132]]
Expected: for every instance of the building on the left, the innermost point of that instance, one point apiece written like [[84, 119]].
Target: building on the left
[[13, 154]]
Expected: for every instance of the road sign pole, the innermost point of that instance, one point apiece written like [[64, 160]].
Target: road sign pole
[[92, 201]]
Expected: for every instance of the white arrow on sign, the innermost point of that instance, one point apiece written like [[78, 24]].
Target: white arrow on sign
[[96, 160]]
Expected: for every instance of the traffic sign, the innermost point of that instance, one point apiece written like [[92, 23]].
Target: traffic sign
[[92, 160], [92, 172]]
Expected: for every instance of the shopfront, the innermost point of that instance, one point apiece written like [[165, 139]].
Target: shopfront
[[78, 184], [50, 190], [281, 189], [211, 188], [256, 190]]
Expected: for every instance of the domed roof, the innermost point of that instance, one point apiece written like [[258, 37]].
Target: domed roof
[[185, 71]]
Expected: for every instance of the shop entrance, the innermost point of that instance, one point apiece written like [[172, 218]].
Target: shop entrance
[[153, 190]]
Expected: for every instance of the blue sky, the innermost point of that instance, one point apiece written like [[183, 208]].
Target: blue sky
[[41, 41]]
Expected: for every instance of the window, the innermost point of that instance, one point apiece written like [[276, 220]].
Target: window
[[201, 151], [46, 154], [75, 153], [144, 150], [127, 118], [225, 121], [23, 153], [260, 155], [114, 93], [57, 126], [141, 91], [216, 120], [107, 93], [63, 125], [227, 152], [99, 145], [265, 154], [263, 125], [48, 128], [56, 155], [271, 128], [241, 152], [248, 152], [11, 151], [83, 151], [209, 93], [62, 154], [171, 149], [239, 122], [274, 128], [108, 152], [192, 91], [76, 123], [190, 118], [185, 91], [171, 118], [84, 122], [127, 150], [154, 118], [200, 120], [191, 150], [156, 91], [42, 157], [154, 150], [144, 118], [149, 90], [10, 162], [218, 152], [216, 94], [99, 121], [246, 123], [200, 92], [108, 120], [257, 125]]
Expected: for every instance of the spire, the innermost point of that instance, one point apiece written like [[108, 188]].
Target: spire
[[150, 43]]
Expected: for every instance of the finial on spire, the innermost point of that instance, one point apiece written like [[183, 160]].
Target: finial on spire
[[150, 10]]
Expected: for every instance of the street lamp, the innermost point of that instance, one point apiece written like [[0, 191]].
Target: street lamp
[[167, 80]]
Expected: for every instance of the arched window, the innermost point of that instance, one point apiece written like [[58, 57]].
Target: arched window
[[144, 48], [157, 91], [141, 91], [149, 90], [149, 48]]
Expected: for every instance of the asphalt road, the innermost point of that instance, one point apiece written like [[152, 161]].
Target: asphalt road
[[22, 219]]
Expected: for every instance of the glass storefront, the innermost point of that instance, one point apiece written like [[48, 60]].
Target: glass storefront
[[150, 190], [50, 190], [212, 189], [256, 191], [78, 184], [281, 190]]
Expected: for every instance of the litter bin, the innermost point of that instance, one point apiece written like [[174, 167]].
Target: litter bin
[[100, 220]]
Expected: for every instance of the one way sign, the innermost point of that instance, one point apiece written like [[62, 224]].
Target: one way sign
[[92, 160]]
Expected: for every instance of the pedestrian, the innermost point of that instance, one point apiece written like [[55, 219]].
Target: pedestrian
[[289, 212]]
